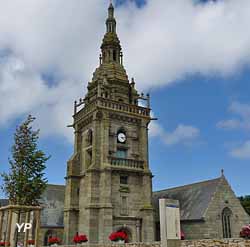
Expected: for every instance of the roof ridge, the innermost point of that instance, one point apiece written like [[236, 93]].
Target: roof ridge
[[188, 185], [56, 185], [213, 195]]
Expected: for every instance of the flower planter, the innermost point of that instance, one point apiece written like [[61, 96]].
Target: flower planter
[[118, 237], [121, 241], [80, 239]]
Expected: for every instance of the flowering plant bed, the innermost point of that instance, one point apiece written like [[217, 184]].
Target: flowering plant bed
[[245, 232], [78, 239], [31, 242], [54, 241], [118, 236], [4, 244]]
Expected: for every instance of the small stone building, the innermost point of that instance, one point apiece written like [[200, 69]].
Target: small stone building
[[208, 209], [52, 214], [52, 202]]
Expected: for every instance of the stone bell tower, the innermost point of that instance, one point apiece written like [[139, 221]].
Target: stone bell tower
[[108, 182]]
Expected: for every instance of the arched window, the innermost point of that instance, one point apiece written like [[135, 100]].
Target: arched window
[[114, 55], [226, 222], [89, 137]]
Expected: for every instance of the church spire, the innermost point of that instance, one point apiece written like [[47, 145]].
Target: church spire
[[111, 22], [111, 48]]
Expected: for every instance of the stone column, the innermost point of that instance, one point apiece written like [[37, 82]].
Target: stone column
[[9, 223], [26, 235], [37, 217], [1, 223], [31, 220]]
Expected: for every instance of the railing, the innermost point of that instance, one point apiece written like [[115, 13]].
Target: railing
[[110, 104], [126, 163], [85, 110], [124, 107]]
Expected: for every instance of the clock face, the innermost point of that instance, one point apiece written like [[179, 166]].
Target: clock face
[[121, 137]]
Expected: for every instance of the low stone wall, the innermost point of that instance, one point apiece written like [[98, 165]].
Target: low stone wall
[[185, 243], [216, 243], [154, 244]]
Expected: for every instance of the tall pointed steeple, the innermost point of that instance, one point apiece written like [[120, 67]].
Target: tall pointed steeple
[[111, 22], [110, 80], [111, 48]]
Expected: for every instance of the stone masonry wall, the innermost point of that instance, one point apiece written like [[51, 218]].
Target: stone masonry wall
[[216, 243], [185, 243]]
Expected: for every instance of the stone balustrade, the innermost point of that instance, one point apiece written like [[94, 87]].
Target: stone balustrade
[[109, 104], [126, 163], [124, 107]]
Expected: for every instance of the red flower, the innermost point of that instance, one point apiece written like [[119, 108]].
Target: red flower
[[80, 239], [54, 240], [245, 232], [182, 235], [31, 242], [4, 244], [115, 236]]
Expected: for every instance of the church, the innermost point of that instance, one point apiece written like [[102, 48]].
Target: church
[[109, 181], [108, 178]]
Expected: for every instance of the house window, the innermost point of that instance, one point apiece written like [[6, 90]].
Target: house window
[[226, 222], [123, 179], [121, 153]]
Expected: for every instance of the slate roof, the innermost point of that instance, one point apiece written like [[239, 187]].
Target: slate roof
[[4, 202], [194, 198]]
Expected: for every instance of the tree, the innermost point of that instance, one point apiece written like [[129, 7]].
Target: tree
[[245, 202], [25, 182]]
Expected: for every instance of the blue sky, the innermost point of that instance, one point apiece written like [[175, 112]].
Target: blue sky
[[198, 79]]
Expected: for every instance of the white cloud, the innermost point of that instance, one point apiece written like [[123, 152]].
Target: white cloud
[[241, 121], [163, 41], [242, 111], [229, 124], [155, 129], [183, 134], [22, 91], [242, 152]]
